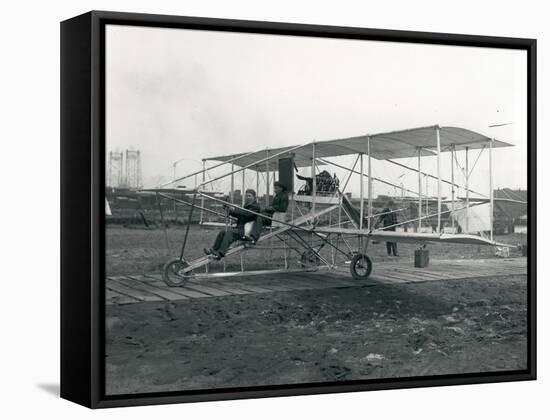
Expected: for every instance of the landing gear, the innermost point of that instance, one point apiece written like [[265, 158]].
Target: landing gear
[[174, 274], [361, 266]]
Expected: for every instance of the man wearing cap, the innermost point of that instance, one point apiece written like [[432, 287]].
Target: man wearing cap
[[227, 237]]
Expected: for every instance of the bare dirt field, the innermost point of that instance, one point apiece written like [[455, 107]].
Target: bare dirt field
[[380, 331], [139, 250]]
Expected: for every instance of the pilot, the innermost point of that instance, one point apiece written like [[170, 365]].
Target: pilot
[[226, 237]]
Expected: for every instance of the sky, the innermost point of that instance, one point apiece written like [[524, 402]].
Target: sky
[[186, 95]]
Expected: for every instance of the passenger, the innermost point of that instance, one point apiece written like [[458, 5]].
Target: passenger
[[276, 211], [280, 201], [227, 237]]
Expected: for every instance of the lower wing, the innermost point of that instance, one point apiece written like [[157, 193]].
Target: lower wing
[[413, 237]]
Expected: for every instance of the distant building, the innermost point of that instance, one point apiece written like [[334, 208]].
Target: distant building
[[124, 173], [509, 214]]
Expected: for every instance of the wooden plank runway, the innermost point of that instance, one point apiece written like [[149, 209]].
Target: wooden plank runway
[[123, 290]]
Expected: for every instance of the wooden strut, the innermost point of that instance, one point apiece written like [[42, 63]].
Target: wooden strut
[[361, 200], [163, 224], [243, 189], [267, 179], [467, 194], [419, 193], [491, 192], [201, 219], [361, 192], [232, 193], [314, 179], [452, 186], [369, 210], [438, 179], [187, 227]]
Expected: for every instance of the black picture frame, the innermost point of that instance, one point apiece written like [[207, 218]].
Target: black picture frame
[[82, 205]]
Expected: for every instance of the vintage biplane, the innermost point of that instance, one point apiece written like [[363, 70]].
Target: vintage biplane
[[325, 217]]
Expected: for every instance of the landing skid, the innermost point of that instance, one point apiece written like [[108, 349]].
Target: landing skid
[[175, 273]]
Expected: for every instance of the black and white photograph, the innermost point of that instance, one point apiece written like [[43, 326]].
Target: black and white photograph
[[275, 210], [285, 210]]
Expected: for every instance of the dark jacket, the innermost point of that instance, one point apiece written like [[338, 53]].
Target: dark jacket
[[280, 202], [243, 216], [388, 219]]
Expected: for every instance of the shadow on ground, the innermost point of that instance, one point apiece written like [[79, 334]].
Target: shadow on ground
[[52, 389]]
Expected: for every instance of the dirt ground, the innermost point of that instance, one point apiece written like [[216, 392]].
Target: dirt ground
[[138, 250], [380, 331], [383, 331]]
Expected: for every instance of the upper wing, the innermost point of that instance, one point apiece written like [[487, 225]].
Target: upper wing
[[392, 145]]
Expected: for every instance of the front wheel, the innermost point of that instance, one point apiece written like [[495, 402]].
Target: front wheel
[[361, 266], [174, 274]]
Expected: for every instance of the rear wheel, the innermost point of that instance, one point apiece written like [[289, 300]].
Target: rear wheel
[[174, 274], [361, 266]]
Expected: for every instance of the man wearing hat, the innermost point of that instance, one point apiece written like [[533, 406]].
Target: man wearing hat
[[389, 220], [227, 237], [280, 200], [276, 211]]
